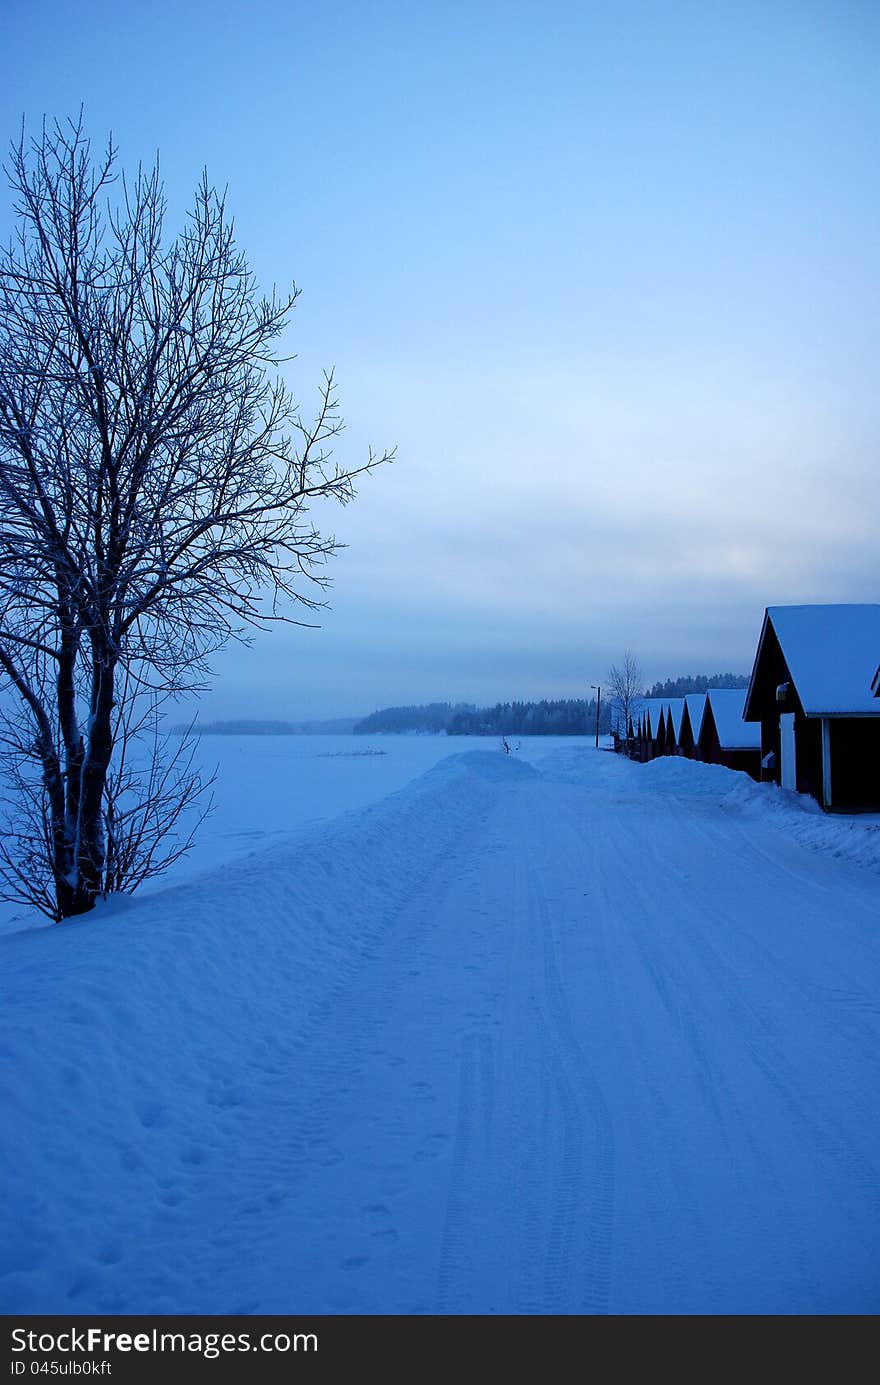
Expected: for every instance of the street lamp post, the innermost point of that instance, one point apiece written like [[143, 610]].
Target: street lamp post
[[598, 692]]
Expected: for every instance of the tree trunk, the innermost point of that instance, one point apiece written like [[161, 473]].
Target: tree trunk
[[90, 844], [62, 852]]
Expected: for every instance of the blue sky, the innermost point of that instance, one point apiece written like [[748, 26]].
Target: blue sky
[[606, 275]]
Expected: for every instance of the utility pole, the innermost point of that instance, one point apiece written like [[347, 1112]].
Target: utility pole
[[598, 692]]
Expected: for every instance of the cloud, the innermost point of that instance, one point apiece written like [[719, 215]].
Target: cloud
[[540, 521]]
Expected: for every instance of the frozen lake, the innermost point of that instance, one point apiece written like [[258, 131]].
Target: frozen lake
[[271, 787]]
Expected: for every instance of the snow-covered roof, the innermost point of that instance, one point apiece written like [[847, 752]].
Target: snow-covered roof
[[727, 708], [653, 709], [831, 653], [635, 711], [695, 703], [676, 710]]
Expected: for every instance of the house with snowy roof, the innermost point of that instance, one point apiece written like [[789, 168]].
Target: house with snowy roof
[[724, 738], [691, 721], [811, 690], [652, 728], [642, 736], [674, 715]]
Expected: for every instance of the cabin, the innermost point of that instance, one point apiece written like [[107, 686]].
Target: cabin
[[626, 742], [724, 738], [674, 716], [649, 729], [652, 736], [642, 739], [662, 729], [691, 721], [632, 745], [811, 691]]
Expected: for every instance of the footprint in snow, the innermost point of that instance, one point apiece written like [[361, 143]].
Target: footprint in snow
[[224, 1097], [433, 1146], [152, 1114], [325, 1153], [378, 1220]]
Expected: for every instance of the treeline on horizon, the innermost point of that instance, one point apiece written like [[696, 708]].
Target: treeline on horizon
[[561, 717], [699, 683], [433, 716], [565, 717], [572, 716]]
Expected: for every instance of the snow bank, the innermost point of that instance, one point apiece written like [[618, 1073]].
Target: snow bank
[[674, 774], [147, 1050], [492, 766], [854, 838]]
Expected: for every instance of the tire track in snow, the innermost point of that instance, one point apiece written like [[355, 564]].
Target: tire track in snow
[[739, 1020], [471, 1276], [453, 1296], [660, 1179], [677, 1253], [670, 967], [770, 1056], [537, 1156], [699, 976], [318, 1158], [579, 1240]]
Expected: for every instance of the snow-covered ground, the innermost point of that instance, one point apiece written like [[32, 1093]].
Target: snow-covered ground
[[551, 1033], [270, 789]]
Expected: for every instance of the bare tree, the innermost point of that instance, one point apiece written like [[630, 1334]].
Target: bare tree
[[156, 482], [626, 683]]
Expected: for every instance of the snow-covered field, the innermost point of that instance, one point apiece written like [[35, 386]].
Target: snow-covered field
[[270, 788], [550, 1033]]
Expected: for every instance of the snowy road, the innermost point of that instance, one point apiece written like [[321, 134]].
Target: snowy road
[[608, 1045]]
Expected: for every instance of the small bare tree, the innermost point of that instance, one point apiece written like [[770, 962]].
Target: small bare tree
[[156, 480], [626, 683]]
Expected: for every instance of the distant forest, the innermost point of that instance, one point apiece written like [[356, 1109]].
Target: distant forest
[[434, 716], [564, 717], [569, 717], [678, 687]]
